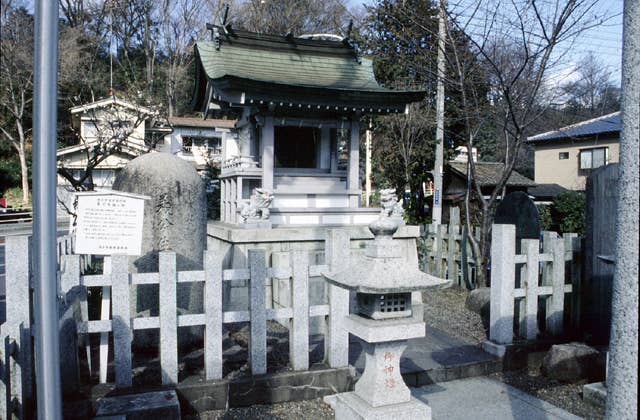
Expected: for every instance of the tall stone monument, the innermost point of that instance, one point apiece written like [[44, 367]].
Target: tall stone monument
[[174, 220]]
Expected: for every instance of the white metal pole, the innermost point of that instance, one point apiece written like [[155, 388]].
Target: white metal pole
[[436, 215], [622, 379], [45, 309]]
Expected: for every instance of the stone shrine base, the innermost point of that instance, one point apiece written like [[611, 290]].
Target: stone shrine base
[[350, 406]]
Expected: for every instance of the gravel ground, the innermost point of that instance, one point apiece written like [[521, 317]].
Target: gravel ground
[[311, 409], [563, 395], [445, 310]]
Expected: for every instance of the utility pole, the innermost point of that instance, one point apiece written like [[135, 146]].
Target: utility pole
[[436, 213], [622, 378], [367, 166], [45, 101]]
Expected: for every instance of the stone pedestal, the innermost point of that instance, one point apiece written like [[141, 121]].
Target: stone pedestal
[[381, 392], [350, 406], [381, 383]]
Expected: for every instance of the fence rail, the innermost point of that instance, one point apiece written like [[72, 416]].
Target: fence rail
[[15, 215]]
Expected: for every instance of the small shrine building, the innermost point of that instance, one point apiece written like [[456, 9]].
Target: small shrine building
[[298, 102]]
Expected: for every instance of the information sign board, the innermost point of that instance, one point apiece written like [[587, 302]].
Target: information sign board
[[108, 223]]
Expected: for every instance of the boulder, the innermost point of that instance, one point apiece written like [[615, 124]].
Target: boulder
[[479, 300], [574, 361]]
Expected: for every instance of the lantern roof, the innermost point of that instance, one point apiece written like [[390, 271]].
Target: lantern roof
[[382, 269]]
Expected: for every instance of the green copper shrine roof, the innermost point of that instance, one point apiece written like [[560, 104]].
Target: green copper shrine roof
[[294, 71]]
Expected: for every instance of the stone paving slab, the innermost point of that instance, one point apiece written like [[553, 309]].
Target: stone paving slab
[[437, 357], [482, 398]]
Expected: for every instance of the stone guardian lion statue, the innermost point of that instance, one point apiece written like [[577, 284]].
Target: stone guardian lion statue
[[258, 206]]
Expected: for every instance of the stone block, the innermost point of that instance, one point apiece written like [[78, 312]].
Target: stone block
[[498, 350], [595, 393], [349, 406], [148, 406], [573, 361], [375, 331]]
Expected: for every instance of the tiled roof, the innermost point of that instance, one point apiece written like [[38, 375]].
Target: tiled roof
[[609, 123], [111, 100], [292, 70], [488, 174]]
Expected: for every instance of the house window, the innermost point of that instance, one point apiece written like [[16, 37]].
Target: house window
[[563, 155], [593, 158], [201, 144], [89, 129], [296, 147]]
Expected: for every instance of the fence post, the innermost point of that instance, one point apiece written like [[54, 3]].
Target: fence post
[[213, 313], [105, 313], [5, 383], [452, 272], [18, 323], [258, 313], [121, 320], [555, 305], [168, 317], [503, 250], [572, 248], [440, 233], [299, 331], [548, 239], [531, 248], [72, 294], [337, 255]]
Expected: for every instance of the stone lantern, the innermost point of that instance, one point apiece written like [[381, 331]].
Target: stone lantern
[[385, 320]]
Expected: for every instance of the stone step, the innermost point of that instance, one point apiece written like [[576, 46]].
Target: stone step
[[144, 406]]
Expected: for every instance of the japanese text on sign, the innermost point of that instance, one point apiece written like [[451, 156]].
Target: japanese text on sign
[[107, 224]]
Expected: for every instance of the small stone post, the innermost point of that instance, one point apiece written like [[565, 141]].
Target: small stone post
[[503, 274], [337, 342]]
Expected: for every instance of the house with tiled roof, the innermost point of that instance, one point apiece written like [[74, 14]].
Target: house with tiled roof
[[568, 155], [487, 176]]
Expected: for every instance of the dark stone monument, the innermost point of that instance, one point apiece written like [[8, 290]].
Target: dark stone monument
[[518, 209], [595, 292]]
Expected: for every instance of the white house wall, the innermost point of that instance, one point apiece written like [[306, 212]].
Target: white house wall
[[88, 125]]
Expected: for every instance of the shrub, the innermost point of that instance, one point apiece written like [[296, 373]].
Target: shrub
[[570, 208], [544, 217]]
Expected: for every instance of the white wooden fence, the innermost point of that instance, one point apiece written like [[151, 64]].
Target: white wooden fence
[[74, 320], [541, 275]]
